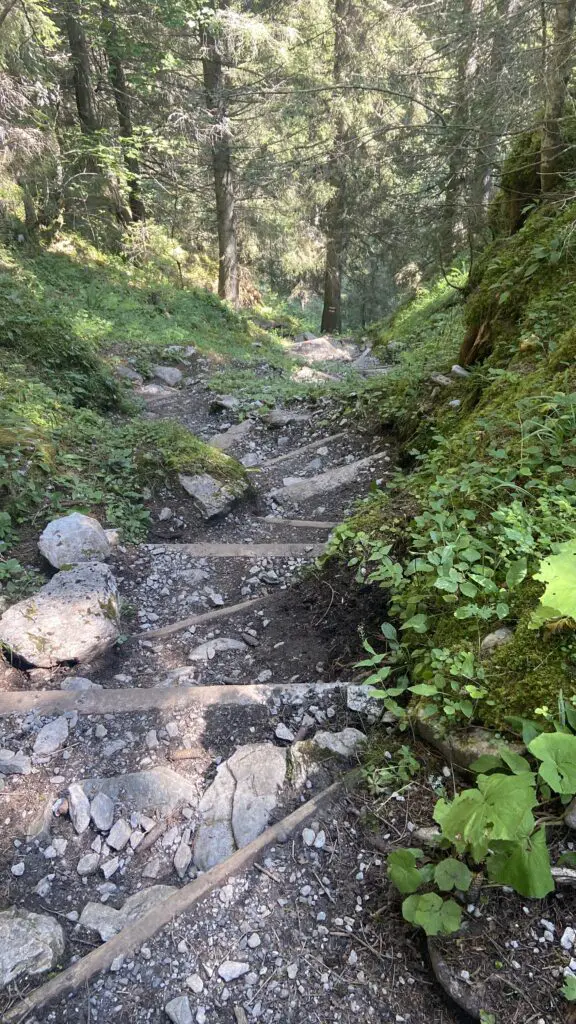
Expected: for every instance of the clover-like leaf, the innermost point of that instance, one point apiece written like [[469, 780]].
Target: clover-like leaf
[[452, 874], [402, 870], [500, 808], [557, 752], [430, 912], [568, 989]]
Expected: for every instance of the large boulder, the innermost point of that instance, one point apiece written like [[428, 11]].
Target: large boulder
[[157, 789], [107, 921], [211, 496], [29, 943], [236, 808], [170, 375], [73, 539], [73, 618]]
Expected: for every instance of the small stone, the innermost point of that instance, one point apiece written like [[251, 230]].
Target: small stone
[[18, 869], [568, 938], [151, 739], [78, 808], [79, 684], [344, 743], [60, 845], [100, 731], [52, 736], [195, 983], [230, 970], [282, 732], [492, 641], [165, 514], [182, 859], [152, 868], [110, 867], [264, 676], [178, 1010], [116, 964], [353, 958], [102, 812], [88, 864], [12, 763], [308, 836], [254, 941], [169, 375], [320, 841], [292, 971], [201, 1015], [119, 835]]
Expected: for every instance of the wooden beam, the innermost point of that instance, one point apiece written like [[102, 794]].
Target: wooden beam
[[196, 620], [309, 524], [95, 702], [273, 550], [305, 448]]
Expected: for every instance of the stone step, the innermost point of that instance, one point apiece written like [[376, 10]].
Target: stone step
[[295, 452], [186, 898], [94, 702], [255, 551]]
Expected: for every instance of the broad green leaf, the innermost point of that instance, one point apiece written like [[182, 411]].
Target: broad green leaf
[[419, 623], [516, 763], [388, 630], [557, 752], [516, 573], [524, 865], [500, 808], [430, 912], [558, 572], [567, 860], [452, 874], [468, 589], [424, 689], [402, 871], [486, 763]]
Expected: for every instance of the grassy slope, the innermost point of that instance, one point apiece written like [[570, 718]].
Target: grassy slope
[[494, 482], [70, 435]]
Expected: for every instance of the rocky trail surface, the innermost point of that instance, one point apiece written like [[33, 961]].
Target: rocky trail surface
[[179, 842]]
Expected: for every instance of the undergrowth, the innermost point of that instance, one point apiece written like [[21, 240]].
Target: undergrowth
[[492, 492]]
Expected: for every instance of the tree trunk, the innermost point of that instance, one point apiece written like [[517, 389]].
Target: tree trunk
[[335, 213], [85, 100], [123, 110], [458, 135], [490, 121], [558, 68], [222, 169]]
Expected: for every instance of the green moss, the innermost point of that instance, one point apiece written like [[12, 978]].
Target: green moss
[[529, 672]]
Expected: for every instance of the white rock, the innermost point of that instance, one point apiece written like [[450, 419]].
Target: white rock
[[344, 743], [230, 970], [254, 941], [320, 841], [212, 497], [79, 684], [110, 867], [102, 812], [151, 739], [220, 644], [170, 375], [292, 971], [308, 836], [152, 868], [494, 640], [52, 736], [74, 617], [195, 983], [29, 943], [282, 732], [568, 938], [107, 921], [72, 539], [14, 762], [201, 1015], [178, 1010], [18, 869], [182, 859], [119, 835], [236, 807], [88, 864], [78, 808]]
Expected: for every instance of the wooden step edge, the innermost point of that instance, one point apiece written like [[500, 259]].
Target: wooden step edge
[[265, 550], [128, 699], [295, 452], [187, 898], [308, 524], [196, 620]]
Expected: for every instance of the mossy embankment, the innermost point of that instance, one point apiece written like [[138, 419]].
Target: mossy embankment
[[492, 484]]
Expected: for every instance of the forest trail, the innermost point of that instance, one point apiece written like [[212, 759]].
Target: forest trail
[[228, 707]]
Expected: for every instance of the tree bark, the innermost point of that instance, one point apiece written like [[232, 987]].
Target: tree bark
[[558, 68], [222, 169], [481, 185], [83, 88], [335, 213], [458, 135], [123, 110]]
